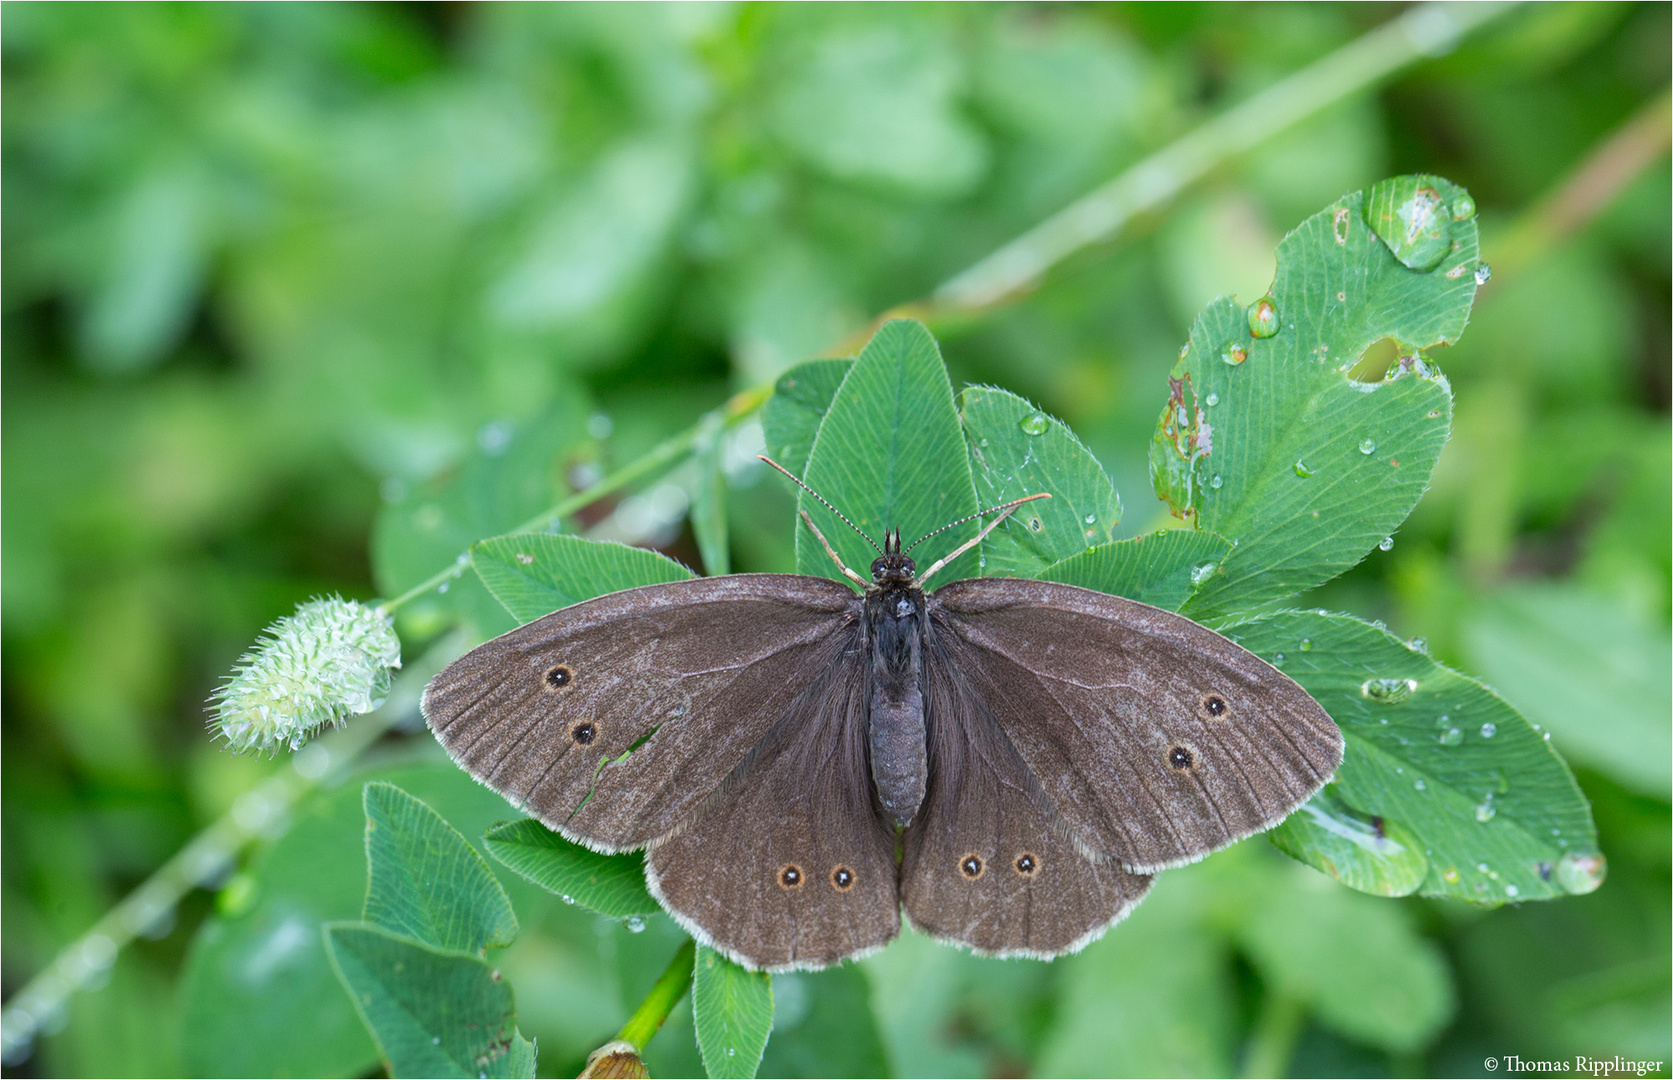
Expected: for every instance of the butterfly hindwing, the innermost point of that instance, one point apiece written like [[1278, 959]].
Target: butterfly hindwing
[[987, 864], [788, 864], [1155, 739], [613, 719]]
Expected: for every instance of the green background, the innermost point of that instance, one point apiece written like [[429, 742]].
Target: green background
[[285, 286]]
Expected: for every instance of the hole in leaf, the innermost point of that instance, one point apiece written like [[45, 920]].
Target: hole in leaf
[[1374, 364]]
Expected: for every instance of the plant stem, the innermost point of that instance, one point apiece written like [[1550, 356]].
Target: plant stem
[[669, 989], [260, 812], [1424, 31], [1277, 1029]]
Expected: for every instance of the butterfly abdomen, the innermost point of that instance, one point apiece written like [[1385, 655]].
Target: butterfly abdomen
[[894, 618]]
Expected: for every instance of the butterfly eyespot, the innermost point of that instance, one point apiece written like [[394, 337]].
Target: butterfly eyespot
[[559, 677], [1213, 707], [584, 732], [842, 879], [1181, 758], [1026, 864], [972, 866], [790, 877]]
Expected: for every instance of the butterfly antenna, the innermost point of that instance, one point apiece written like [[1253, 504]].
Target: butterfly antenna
[[1007, 509], [978, 514], [823, 501]]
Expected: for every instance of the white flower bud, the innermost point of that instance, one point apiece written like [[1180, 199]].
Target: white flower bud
[[329, 661]]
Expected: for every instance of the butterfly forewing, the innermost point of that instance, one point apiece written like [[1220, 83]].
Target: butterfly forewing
[[986, 863], [1156, 740], [788, 865], [612, 720]]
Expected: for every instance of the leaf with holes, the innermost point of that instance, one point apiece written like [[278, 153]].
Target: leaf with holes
[[535, 574], [612, 885], [1269, 440], [1495, 811], [425, 881]]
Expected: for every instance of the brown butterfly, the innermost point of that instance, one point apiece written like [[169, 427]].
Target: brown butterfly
[[1008, 760]]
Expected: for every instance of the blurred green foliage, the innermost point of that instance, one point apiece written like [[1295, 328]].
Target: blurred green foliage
[[274, 272]]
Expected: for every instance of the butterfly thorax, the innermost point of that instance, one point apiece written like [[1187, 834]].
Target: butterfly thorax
[[895, 622]]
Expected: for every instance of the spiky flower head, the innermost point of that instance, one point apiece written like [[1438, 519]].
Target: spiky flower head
[[329, 661]]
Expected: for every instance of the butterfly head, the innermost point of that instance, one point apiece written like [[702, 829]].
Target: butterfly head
[[893, 565]]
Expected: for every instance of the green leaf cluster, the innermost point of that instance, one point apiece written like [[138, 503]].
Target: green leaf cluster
[[415, 964]]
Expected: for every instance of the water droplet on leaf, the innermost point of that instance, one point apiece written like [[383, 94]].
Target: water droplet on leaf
[[1306, 644], [1581, 874], [1412, 220], [634, 924], [1233, 353], [1303, 470], [1386, 544], [1450, 737], [1463, 207], [1485, 810], [1388, 691], [1216, 482], [1212, 398], [1483, 274], [1202, 573], [1367, 446], [1263, 318], [1489, 729], [1090, 518], [1034, 425]]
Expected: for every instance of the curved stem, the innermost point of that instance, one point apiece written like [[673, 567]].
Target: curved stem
[[1424, 31], [654, 1009], [260, 812]]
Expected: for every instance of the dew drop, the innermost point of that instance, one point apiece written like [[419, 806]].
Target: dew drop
[[1450, 737], [1367, 446], [1463, 207], [566, 899], [634, 924], [1420, 785], [1418, 644], [1263, 318], [1512, 891], [1212, 399], [1303, 470], [1388, 691], [1581, 874], [1233, 353], [1482, 867], [1185, 350], [1485, 810], [1034, 425], [442, 587], [1386, 544], [1306, 644], [1216, 482], [1412, 220], [1451, 875], [1203, 573], [1489, 729], [1090, 518], [1483, 274], [1278, 658]]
